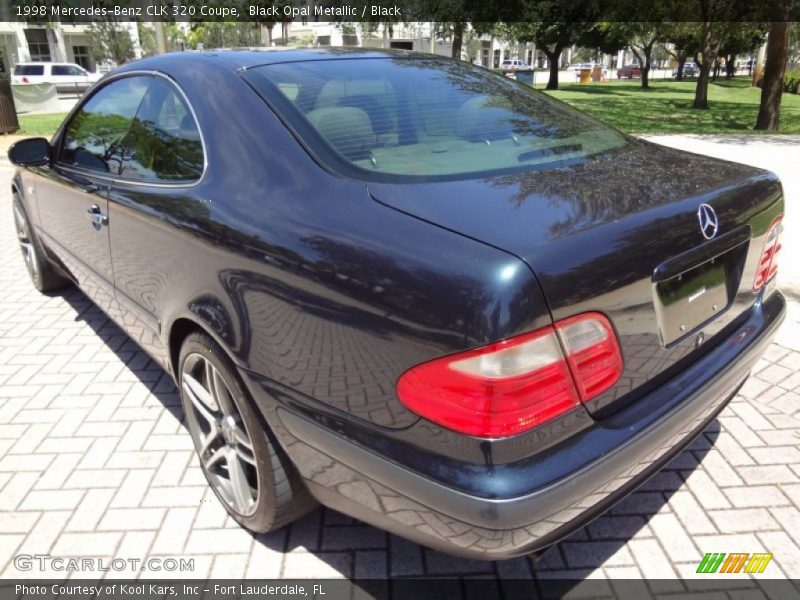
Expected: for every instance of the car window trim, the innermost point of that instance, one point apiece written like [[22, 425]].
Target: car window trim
[[181, 184], [58, 137], [166, 184], [88, 173]]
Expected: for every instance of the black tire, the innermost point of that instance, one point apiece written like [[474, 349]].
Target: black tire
[[281, 495], [42, 273]]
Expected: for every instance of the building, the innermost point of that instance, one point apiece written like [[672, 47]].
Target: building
[[489, 51], [57, 42]]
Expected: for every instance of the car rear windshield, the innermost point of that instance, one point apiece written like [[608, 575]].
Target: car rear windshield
[[29, 70], [393, 118]]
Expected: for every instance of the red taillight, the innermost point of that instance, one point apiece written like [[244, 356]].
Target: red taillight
[[24, 80], [768, 261], [511, 386], [592, 353]]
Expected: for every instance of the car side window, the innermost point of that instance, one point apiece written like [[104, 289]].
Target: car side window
[[164, 144], [29, 70], [91, 138], [69, 70]]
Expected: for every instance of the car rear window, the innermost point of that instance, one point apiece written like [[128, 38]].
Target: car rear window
[[29, 70], [392, 118]]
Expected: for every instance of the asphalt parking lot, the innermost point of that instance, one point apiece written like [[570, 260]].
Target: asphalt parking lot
[[95, 461]]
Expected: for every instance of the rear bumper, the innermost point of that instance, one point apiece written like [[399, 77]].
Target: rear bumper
[[633, 444]]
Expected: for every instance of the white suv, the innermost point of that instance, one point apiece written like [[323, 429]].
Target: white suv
[[513, 64], [67, 77]]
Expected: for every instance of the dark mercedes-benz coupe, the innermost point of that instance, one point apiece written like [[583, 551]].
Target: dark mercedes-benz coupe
[[408, 288]]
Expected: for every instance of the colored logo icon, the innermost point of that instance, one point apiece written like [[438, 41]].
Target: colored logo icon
[[720, 562]]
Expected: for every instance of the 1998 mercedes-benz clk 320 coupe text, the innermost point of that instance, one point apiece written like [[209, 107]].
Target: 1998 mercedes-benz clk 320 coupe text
[[405, 287]]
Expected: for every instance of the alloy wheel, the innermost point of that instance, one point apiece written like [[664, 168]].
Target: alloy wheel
[[26, 243], [220, 435]]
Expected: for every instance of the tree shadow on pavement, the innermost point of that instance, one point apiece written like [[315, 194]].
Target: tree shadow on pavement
[[777, 139], [137, 361], [328, 544], [353, 549]]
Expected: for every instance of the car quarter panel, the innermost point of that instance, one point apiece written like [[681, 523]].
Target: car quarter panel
[[299, 274], [535, 502], [596, 230]]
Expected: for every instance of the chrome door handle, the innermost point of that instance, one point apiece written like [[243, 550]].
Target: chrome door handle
[[97, 216]]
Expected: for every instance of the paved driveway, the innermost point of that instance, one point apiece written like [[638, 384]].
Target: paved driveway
[[95, 461]]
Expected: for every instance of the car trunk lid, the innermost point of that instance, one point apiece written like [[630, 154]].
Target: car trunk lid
[[619, 233]]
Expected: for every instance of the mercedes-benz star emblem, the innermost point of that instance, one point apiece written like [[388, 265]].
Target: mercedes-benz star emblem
[[709, 224]]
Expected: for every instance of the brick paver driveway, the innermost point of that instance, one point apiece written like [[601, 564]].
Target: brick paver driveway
[[95, 461]]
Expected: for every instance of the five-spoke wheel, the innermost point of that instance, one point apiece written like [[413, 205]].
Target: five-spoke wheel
[[224, 445], [242, 461], [43, 275], [26, 242]]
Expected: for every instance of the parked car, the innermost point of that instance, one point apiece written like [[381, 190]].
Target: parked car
[[690, 69], [580, 66], [66, 76], [514, 65], [106, 66], [632, 71], [405, 287]]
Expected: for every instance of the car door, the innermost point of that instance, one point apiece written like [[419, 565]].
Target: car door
[[153, 206], [69, 78], [72, 193]]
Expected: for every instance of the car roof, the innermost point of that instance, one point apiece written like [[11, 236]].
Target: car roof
[[36, 63], [239, 60]]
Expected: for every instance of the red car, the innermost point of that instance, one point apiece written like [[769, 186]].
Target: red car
[[629, 71]]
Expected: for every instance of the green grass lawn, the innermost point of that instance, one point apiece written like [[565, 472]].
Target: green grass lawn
[[666, 106], [39, 125]]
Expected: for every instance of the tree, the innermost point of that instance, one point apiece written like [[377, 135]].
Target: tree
[[769, 112], [177, 38], [742, 38], [549, 37], [642, 37], [473, 45], [794, 44], [147, 39], [455, 30], [458, 39], [224, 34], [604, 37], [110, 40], [720, 18], [268, 25], [683, 42], [551, 25]]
